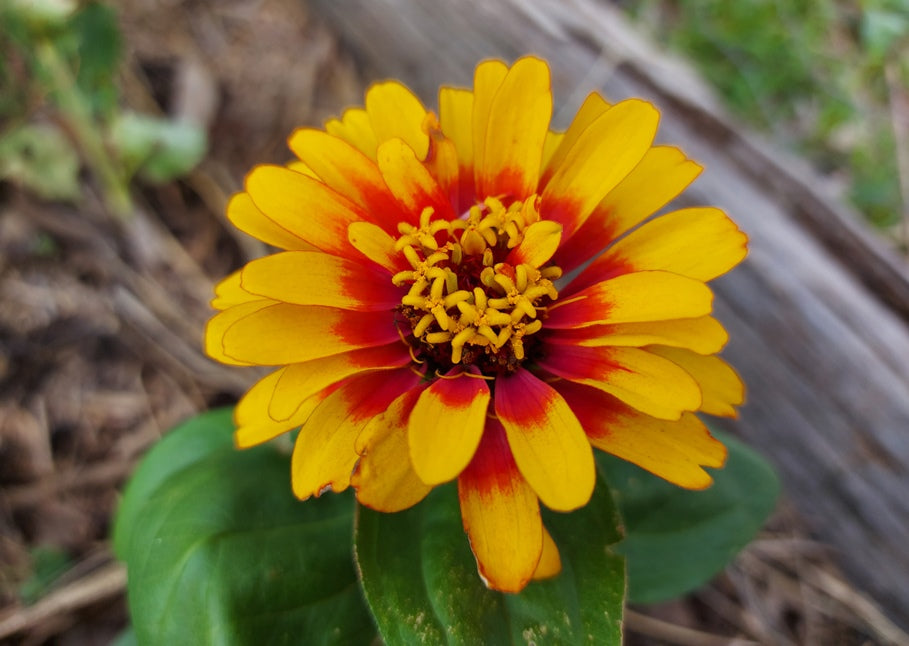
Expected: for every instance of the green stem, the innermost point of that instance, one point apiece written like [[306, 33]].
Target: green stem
[[77, 114]]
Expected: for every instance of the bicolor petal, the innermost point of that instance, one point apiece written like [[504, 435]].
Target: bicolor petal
[[622, 134], [501, 514], [410, 182], [676, 451], [379, 247], [633, 298], [306, 207], [280, 334], [704, 335], [548, 443], [446, 424], [316, 278], [384, 477], [349, 172], [516, 126], [661, 175], [649, 383], [701, 243], [300, 381], [594, 106], [324, 455]]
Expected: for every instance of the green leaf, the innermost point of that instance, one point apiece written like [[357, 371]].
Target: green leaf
[[99, 52], [161, 149], [40, 157], [218, 551], [421, 580], [677, 539]]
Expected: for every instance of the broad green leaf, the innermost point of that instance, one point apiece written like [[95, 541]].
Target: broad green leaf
[[676, 539], [422, 584], [218, 550]]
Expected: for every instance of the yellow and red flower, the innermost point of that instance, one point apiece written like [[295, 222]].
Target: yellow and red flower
[[480, 298]]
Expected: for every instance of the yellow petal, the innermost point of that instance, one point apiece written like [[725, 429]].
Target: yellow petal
[[378, 246], [487, 78], [550, 562], [316, 278], [324, 455], [673, 450], [456, 120], [247, 217], [700, 243], [633, 298], [721, 387], [501, 515], [304, 206], [355, 128], [299, 167], [348, 171], [548, 443], [218, 325], [622, 134], [517, 124], [445, 426], [281, 334], [396, 113], [384, 478], [541, 239], [254, 426], [704, 335], [411, 183], [300, 381], [641, 379], [662, 174], [550, 145], [229, 293], [594, 105]]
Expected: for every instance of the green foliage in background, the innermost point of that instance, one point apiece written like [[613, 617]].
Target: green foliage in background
[[829, 75], [60, 107]]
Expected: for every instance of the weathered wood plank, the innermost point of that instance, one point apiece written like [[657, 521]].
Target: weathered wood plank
[[818, 313]]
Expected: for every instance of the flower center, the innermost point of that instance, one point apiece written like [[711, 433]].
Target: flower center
[[466, 303]]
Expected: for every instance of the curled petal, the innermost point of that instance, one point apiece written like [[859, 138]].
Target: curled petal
[[325, 454], [384, 477]]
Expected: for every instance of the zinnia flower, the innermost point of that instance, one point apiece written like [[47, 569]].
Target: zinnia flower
[[476, 297]]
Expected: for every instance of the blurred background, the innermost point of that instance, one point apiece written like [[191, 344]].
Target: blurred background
[[125, 128]]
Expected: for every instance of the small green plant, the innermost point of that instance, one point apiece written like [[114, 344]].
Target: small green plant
[[60, 107]]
